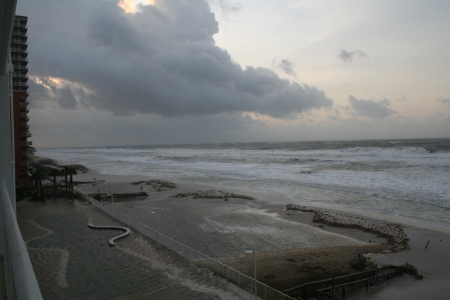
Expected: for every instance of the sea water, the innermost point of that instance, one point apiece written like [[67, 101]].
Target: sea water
[[407, 178]]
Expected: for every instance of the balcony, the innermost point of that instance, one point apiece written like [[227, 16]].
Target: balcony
[[20, 33], [18, 75], [24, 125], [19, 41], [19, 89], [25, 134], [22, 59], [19, 50], [21, 67], [24, 153], [26, 143], [23, 105], [20, 25], [19, 83]]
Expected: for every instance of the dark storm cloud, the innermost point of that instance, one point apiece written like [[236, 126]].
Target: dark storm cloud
[[287, 67], [443, 100], [160, 60], [47, 93], [371, 108], [347, 57]]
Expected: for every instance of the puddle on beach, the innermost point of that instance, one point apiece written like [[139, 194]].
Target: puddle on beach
[[223, 230]]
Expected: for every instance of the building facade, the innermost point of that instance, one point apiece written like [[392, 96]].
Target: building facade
[[19, 56]]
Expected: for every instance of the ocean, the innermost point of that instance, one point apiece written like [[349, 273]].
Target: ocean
[[407, 177]]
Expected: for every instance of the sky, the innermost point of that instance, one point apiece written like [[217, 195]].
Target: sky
[[129, 72]]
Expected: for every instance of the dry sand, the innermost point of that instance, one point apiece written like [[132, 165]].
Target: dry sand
[[284, 268]]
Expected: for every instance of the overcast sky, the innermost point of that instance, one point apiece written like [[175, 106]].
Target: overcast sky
[[129, 72]]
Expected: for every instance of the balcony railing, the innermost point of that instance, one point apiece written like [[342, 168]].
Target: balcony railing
[[19, 58], [24, 117], [20, 86], [20, 25], [19, 50], [20, 33], [19, 83], [20, 67], [25, 134], [29, 143], [19, 75], [24, 125], [22, 283], [19, 41], [23, 105]]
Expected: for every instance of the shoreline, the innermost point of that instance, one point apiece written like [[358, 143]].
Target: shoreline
[[431, 262]]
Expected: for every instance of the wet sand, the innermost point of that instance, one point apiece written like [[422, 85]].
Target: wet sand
[[290, 247]]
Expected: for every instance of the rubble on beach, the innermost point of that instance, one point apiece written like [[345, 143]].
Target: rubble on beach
[[212, 194], [396, 238]]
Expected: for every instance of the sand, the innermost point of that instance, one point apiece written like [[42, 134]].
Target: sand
[[285, 268]]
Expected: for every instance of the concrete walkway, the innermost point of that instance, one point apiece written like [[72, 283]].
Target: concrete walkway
[[72, 261]]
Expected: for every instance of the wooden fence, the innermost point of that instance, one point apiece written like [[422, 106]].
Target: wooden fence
[[310, 289], [339, 292]]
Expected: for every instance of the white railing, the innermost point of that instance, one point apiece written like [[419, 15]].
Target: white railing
[[21, 283], [218, 268]]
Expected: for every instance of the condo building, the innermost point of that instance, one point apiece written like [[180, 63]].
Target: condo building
[[19, 56]]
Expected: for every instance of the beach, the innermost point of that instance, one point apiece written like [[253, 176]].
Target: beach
[[308, 209], [291, 248]]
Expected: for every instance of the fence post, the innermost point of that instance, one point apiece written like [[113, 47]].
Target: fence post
[[332, 291]]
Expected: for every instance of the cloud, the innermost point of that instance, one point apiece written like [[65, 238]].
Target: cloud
[[127, 5], [443, 100], [403, 99], [347, 57], [160, 60], [287, 67], [227, 7], [371, 108]]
